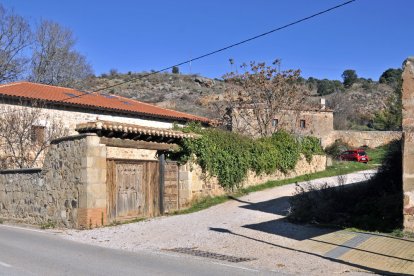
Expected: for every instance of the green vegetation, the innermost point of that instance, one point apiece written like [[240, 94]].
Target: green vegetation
[[350, 77], [391, 117], [117, 222], [229, 156], [338, 168], [48, 225], [325, 86], [375, 205], [175, 70], [391, 77]]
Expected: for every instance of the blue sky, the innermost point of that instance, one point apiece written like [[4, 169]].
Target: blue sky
[[368, 36]]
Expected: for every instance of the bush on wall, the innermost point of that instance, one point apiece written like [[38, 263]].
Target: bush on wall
[[229, 156]]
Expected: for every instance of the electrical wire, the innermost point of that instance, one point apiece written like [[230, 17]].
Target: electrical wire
[[213, 52]]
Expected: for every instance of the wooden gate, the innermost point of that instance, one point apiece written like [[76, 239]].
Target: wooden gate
[[132, 189], [171, 189]]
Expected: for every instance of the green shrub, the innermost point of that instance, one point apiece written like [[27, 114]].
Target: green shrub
[[229, 156], [374, 205], [310, 146], [48, 225], [336, 148]]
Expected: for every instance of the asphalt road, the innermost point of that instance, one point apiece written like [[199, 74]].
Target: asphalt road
[[34, 252]]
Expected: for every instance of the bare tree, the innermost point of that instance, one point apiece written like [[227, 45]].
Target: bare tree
[[54, 60], [15, 37], [25, 134], [253, 99]]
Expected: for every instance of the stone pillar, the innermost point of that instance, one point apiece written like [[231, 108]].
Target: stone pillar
[[92, 205], [408, 144]]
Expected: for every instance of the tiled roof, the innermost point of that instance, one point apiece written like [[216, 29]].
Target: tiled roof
[[69, 96], [132, 129]]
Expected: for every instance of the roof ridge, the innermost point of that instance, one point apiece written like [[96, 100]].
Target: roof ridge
[[12, 83], [153, 105], [42, 84], [138, 105]]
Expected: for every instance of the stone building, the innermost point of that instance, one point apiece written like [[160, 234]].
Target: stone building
[[69, 185], [112, 167], [305, 122], [112, 172], [65, 108], [74, 106]]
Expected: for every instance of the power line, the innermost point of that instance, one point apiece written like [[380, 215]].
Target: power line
[[231, 46], [213, 52]]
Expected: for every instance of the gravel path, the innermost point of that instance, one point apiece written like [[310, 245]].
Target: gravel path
[[252, 226]]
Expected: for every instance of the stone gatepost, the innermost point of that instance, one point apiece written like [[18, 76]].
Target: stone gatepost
[[92, 204], [408, 144]]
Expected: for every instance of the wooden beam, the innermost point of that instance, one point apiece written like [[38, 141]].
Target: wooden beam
[[126, 143], [161, 158]]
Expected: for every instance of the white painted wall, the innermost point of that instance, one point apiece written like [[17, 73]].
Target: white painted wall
[[71, 118]]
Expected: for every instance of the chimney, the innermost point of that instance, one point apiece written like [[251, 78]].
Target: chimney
[[323, 106]]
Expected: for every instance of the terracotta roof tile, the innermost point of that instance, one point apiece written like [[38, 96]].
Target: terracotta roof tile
[[55, 94]]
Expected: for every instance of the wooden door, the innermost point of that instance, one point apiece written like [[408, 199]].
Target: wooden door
[[132, 189]]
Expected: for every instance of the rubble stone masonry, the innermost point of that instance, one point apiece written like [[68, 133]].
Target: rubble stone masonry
[[70, 189], [357, 139], [194, 183], [408, 145]]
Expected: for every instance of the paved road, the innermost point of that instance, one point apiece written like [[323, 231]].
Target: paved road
[[33, 252]]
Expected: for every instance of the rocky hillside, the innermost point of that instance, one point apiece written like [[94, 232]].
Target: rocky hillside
[[187, 93], [354, 107]]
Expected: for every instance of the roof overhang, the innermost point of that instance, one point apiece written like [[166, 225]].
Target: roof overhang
[[135, 136]]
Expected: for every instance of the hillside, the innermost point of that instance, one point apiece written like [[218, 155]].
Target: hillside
[[354, 107], [187, 93]]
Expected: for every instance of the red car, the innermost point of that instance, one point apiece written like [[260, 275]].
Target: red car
[[358, 155]]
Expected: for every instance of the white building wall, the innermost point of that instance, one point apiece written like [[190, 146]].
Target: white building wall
[[71, 118]]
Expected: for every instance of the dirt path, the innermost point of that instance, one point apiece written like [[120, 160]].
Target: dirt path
[[252, 226]]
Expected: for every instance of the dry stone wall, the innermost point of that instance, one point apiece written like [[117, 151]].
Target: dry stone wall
[[194, 183], [356, 139], [51, 194]]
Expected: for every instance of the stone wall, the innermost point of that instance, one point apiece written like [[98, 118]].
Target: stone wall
[[69, 190], [25, 196], [53, 193], [131, 154], [356, 139], [408, 144], [195, 184]]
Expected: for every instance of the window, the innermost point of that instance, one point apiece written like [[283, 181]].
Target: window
[[302, 124], [37, 134], [275, 122]]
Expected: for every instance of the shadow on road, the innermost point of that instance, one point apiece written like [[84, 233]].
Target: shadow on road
[[279, 206], [282, 227], [377, 271]]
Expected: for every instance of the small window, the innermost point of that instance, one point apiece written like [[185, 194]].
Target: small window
[[37, 134], [275, 122], [302, 124]]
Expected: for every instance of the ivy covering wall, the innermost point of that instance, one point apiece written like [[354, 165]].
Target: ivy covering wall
[[229, 156]]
